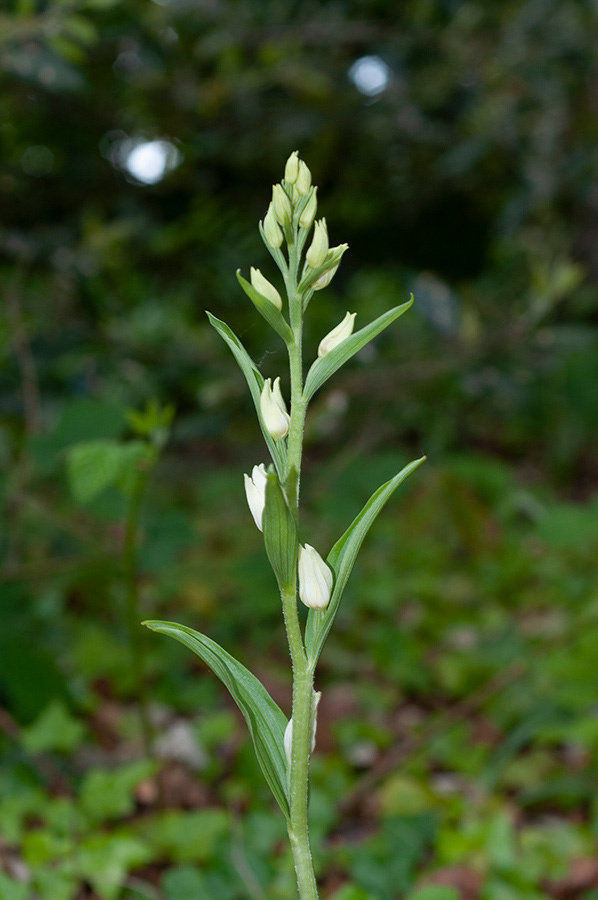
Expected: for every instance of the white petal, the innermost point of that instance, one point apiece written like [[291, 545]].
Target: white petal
[[288, 740], [255, 501], [315, 578], [338, 334]]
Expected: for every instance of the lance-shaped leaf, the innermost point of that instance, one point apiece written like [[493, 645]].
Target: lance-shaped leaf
[[341, 560], [255, 381], [265, 719], [271, 313], [323, 368], [280, 533]]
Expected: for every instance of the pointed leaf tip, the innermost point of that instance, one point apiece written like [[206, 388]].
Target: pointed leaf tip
[[341, 560], [325, 366]]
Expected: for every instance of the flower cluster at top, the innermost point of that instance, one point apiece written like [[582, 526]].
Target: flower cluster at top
[[308, 266]]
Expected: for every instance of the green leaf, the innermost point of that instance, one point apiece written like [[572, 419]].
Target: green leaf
[[271, 313], [434, 892], [280, 533], [255, 381], [109, 793], [13, 890], [341, 560], [183, 883], [92, 467], [323, 368], [185, 836], [265, 719], [95, 465], [105, 860], [54, 729]]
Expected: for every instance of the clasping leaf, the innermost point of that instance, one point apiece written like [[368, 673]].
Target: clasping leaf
[[324, 367], [341, 560], [271, 314], [255, 382], [265, 719]]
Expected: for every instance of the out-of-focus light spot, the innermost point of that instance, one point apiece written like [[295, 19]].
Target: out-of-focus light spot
[[370, 75], [145, 161], [37, 160], [149, 162]]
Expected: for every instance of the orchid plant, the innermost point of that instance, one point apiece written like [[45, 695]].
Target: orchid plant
[[284, 746]]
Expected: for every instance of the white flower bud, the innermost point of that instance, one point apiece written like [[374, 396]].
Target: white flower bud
[[288, 732], [273, 409], [291, 169], [325, 279], [277, 394], [265, 288], [318, 250], [309, 213], [315, 579], [272, 229], [339, 334], [303, 179], [255, 490], [282, 205]]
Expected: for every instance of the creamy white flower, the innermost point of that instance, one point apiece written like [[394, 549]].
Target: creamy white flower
[[288, 732], [291, 169], [309, 213], [315, 578], [265, 288], [272, 230], [325, 279], [274, 411], [282, 205], [339, 334], [255, 490], [318, 250], [303, 179]]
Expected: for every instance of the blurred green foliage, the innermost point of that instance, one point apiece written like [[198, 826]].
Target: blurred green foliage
[[458, 744]]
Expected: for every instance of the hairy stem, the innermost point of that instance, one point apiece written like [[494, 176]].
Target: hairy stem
[[298, 825]]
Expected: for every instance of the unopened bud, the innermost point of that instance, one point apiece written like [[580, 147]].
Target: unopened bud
[[315, 578], [274, 411], [318, 250], [291, 170], [265, 288], [325, 279], [288, 732], [255, 490], [309, 213], [282, 205], [303, 179], [339, 334], [272, 229]]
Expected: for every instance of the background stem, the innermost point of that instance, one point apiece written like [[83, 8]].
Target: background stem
[[136, 632]]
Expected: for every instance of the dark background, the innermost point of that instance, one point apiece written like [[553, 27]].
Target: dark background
[[458, 730]]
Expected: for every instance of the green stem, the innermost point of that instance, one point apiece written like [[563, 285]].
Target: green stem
[[298, 824], [136, 632]]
